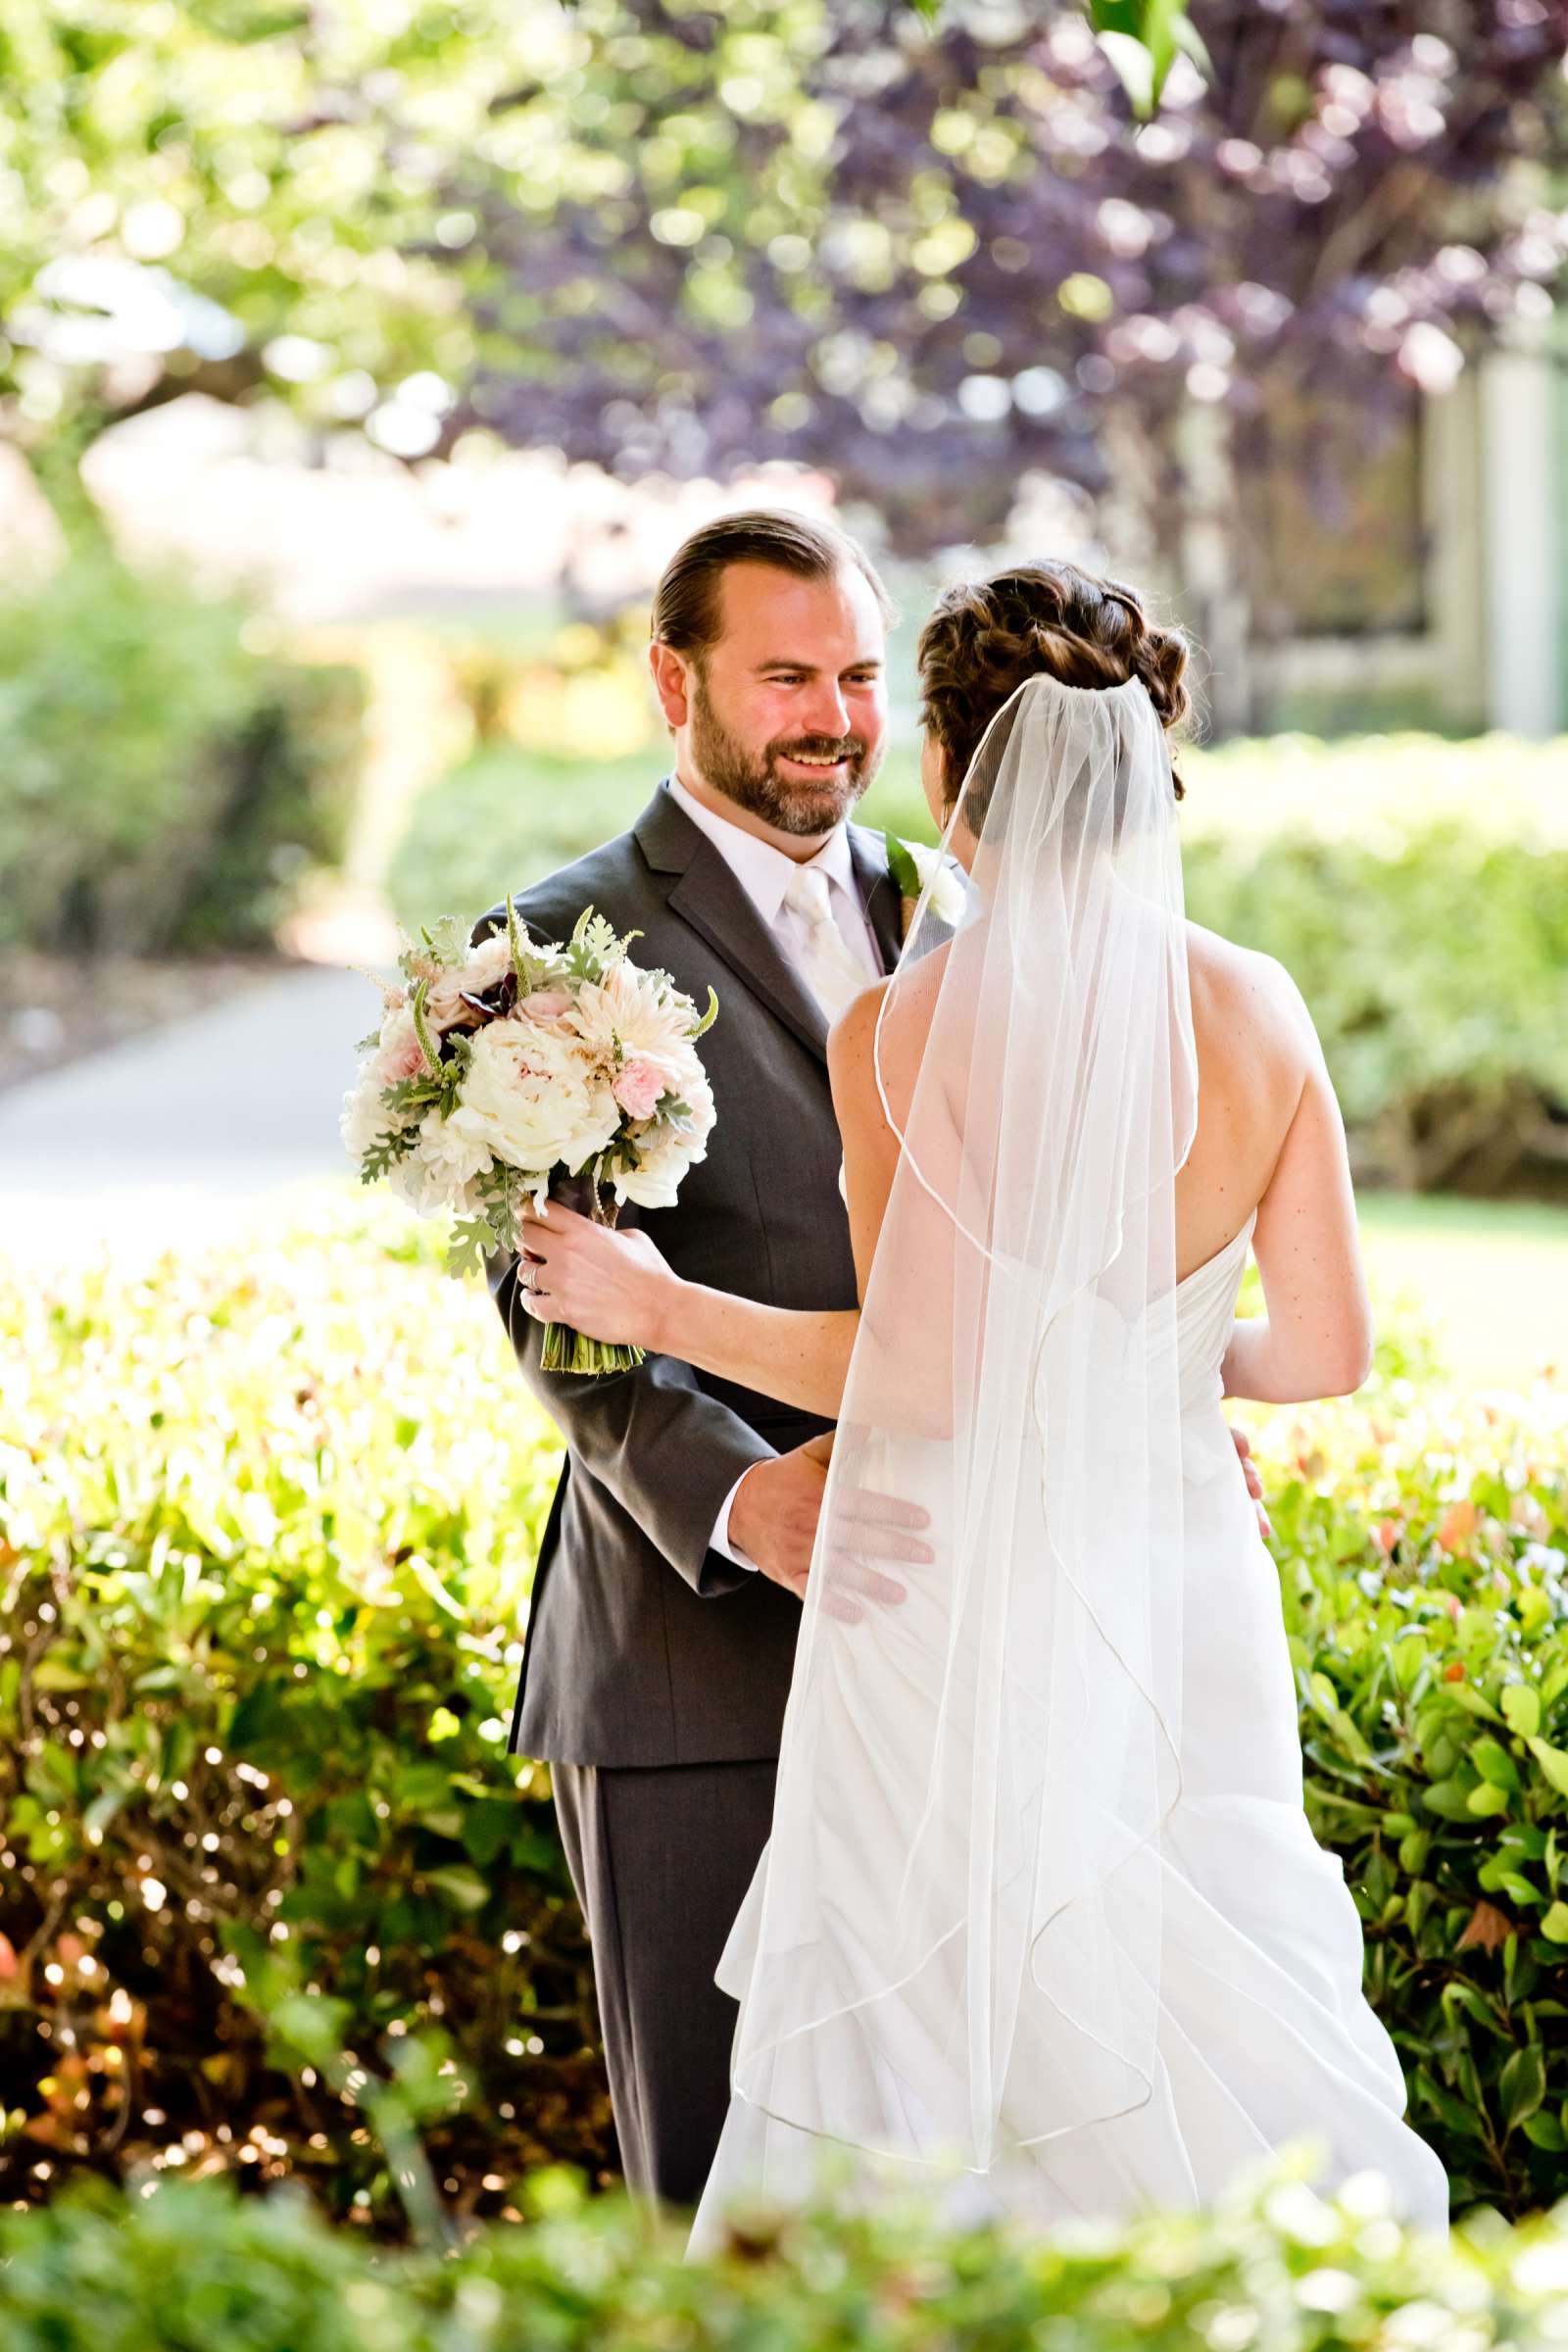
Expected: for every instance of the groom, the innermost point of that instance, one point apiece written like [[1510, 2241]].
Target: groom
[[667, 1597]]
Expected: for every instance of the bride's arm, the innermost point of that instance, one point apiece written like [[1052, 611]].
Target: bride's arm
[[1315, 1339], [801, 1356], [616, 1286], [798, 1354]]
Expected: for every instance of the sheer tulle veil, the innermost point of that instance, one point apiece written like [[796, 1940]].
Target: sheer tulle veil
[[956, 1937]]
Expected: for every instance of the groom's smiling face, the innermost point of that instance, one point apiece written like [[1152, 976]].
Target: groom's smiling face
[[784, 714]]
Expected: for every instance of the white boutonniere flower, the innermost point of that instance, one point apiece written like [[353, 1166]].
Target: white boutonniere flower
[[915, 866]]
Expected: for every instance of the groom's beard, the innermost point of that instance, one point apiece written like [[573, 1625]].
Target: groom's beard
[[753, 780]]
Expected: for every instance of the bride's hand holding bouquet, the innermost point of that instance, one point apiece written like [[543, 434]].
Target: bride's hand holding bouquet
[[606, 1282]]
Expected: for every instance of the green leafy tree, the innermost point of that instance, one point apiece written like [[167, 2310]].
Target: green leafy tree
[[227, 195]]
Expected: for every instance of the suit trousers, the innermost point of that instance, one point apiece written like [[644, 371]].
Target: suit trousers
[[661, 1857]]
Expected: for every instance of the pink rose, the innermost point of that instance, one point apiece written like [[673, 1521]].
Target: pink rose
[[637, 1087], [398, 1055], [546, 1004]]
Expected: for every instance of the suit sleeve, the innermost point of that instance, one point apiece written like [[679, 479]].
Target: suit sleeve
[[669, 1454]]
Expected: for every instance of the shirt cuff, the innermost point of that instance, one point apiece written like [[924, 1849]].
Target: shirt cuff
[[719, 1540]]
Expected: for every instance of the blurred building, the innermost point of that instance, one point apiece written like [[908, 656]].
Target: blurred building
[[1419, 578]]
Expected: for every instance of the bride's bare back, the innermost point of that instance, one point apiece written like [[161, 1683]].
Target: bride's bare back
[[1269, 1138]]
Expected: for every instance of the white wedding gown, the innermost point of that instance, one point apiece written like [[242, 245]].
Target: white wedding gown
[[1263, 2032]]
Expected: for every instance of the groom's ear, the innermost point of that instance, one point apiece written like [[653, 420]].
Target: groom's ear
[[672, 676]]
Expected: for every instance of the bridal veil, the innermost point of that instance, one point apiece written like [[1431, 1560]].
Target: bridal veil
[[956, 1946]]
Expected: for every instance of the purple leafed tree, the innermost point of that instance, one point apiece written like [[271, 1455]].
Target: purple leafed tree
[[930, 260]]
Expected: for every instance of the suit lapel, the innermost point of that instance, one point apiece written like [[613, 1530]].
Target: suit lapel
[[879, 894], [705, 895]]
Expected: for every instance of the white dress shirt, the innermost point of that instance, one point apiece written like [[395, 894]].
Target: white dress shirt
[[764, 875]]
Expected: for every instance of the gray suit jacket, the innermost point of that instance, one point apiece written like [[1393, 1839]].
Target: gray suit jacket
[[644, 1645]]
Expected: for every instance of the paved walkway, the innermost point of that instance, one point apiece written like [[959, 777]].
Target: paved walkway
[[179, 1130]]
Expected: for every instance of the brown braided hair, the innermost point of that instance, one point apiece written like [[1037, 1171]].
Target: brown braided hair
[[987, 636]]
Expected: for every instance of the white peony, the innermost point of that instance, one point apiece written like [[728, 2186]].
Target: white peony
[[655, 1181], [438, 1173], [668, 1153], [365, 1116], [690, 1084], [535, 1096]]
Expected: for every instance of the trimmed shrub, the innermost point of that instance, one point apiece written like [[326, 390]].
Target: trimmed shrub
[[267, 1526], [164, 784], [1438, 978], [188, 2267], [506, 818], [1423, 1544]]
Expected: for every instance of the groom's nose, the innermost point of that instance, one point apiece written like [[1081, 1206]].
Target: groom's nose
[[826, 711]]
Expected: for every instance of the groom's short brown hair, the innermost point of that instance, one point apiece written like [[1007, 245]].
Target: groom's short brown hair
[[686, 605]]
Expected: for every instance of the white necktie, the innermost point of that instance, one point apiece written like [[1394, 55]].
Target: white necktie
[[831, 969]]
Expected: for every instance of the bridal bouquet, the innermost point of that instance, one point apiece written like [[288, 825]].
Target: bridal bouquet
[[517, 1069]]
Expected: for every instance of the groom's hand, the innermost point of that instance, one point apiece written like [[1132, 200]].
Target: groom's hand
[[1254, 1483], [773, 1521]]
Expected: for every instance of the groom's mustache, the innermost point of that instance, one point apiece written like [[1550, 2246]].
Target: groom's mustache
[[819, 747]]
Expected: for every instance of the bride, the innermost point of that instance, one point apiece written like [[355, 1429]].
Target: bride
[[1041, 1915]]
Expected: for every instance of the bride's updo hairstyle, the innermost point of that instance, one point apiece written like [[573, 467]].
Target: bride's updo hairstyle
[[987, 637]]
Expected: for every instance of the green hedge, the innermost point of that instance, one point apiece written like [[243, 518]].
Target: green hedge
[[1439, 981], [1416, 889], [188, 2268], [506, 818], [165, 782], [1423, 1546], [267, 1522]]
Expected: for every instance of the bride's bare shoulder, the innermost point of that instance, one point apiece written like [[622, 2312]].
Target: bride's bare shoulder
[[850, 1039], [1247, 999], [1247, 977], [856, 1055]]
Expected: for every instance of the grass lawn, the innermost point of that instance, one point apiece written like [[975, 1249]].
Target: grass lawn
[[1491, 1278]]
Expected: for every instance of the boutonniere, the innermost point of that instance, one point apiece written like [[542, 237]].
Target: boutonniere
[[915, 867]]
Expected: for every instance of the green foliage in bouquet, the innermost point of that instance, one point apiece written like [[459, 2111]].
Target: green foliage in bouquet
[[266, 1529], [1423, 1546], [190, 2265], [165, 782]]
